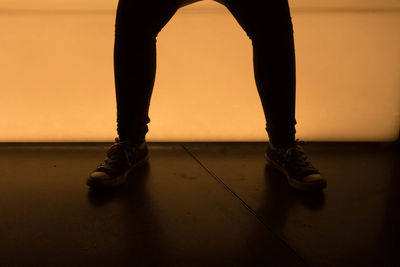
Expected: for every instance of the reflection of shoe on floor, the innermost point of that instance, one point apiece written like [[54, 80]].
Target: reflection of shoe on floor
[[293, 163], [122, 158]]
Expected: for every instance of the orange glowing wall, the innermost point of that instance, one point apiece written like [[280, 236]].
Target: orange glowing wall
[[57, 77]]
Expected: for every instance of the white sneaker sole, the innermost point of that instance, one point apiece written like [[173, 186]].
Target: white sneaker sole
[[314, 186], [117, 181]]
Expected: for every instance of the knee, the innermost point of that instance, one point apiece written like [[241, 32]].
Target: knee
[[274, 29], [125, 26]]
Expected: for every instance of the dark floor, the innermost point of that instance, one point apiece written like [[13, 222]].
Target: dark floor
[[199, 204]]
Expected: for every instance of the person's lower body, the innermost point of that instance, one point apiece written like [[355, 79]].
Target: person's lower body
[[271, 33], [270, 29]]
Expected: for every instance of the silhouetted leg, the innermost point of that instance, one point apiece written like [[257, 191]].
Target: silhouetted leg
[[137, 26], [269, 26]]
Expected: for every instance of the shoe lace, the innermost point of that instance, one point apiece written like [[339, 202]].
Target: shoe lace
[[117, 155], [297, 157]]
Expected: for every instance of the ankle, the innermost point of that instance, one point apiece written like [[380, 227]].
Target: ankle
[[133, 141], [283, 146]]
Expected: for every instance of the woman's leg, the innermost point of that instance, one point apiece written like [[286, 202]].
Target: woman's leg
[[268, 24], [137, 26]]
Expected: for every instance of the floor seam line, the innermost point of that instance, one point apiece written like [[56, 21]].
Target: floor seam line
[[258, 217]]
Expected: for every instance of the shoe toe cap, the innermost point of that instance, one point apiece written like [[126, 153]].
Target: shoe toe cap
[[97, 178], [99, 175], [315, 180]]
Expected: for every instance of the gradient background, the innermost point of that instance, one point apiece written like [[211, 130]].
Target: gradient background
[[56, 75]]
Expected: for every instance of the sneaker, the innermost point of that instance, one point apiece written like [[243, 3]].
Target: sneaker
[[122, 158], [293, 163]]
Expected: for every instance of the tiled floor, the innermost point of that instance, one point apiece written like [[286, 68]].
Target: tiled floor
[[199, 204]]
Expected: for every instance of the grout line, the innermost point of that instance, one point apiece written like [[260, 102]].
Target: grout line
[[279, 237]]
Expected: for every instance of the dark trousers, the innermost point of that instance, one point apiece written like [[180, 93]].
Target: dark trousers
[[268, 24]]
